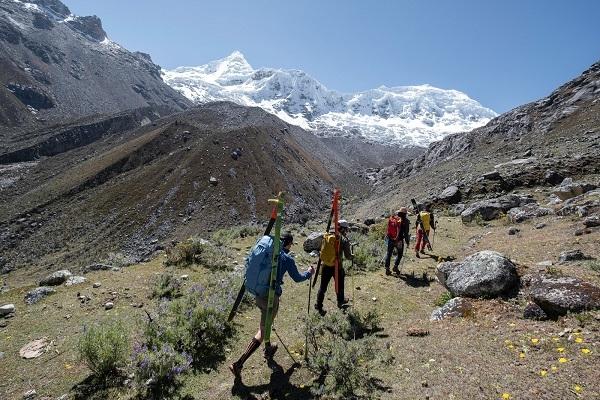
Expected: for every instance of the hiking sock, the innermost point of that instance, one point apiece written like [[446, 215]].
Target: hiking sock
[[252, 346]]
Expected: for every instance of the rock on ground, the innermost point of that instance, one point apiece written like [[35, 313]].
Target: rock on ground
[[34, 349], [35, 295], [533, 311], [75, 280], [492, 208], [483, 274], [572, 255], [313, 242], [7, 309], [456, 307], [56, 278], [528, 211], [450, 195], [513, 230], [559, 295], [569, 189]]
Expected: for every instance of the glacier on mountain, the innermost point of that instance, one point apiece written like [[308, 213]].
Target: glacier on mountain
[[405, 115]]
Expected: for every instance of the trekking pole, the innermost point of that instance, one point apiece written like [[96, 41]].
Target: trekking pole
[[307, 321], [353, 272], [284, 346]]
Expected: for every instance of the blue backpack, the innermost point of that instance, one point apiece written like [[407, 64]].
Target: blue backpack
[[258, 267]]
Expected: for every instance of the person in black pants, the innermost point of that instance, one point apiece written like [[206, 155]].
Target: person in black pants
[[398, 241], [329, 270]]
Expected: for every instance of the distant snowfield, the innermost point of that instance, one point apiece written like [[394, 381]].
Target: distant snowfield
[[406, 115]]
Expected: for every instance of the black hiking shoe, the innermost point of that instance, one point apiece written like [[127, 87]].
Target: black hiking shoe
[[387, 272], [236, 370], [417, 255], [343, 305], [270, 351], [320, 310], [396, 270], [423, 251]]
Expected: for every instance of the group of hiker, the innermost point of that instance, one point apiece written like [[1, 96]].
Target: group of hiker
[[335, 247]]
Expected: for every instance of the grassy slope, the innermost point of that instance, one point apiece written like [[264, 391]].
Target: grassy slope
[[460, 359]]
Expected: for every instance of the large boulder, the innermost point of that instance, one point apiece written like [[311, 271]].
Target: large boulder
[[35, 295], [492, 208], [569, 189], [456, 307], [483, 274], [528, 211], [313, 242], [559, 295], [450, 195], [56, 278]]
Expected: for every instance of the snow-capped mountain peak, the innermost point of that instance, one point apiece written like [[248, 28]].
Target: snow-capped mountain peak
[[405, 115]]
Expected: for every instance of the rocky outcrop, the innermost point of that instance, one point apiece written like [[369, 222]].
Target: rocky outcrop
[[313, 242], [56, 278], [528, 211], [450, 195], [559, 295], [37, 294], [456, 307], [492, 208], [484, 274], [90, 26], [569, 189]]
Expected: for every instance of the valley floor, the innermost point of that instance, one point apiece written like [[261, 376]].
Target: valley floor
[[492, 354]]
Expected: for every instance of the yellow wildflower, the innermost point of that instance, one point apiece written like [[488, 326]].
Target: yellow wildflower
[[535, 341], [510, 346], [554, 368], [586, 351], [577, 389], [505, 396], [543, 373], [578, 340], [555, 339], [560, 349], [522, 355], [562, 360], [507, 342]]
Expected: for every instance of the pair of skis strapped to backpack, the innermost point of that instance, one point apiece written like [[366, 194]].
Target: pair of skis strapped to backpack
[[242, 290], [333, 216], [425, 236], [274, 267]]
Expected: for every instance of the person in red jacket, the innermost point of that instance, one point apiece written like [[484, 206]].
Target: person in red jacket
[[397, 235]]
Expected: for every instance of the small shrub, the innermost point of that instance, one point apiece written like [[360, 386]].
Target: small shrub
[[443, 299], [198, 251], [159, 369], [362, 325], [167, 287], [368, 253], [584, 318], [105, 349], [478, 219], [505, 219], [195, 324], [343, 366], [554, 271], [594, 265]]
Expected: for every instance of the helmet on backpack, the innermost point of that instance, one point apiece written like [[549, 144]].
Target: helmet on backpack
[[342, 223]]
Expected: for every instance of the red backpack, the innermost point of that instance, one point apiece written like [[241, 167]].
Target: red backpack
[[393, 229]]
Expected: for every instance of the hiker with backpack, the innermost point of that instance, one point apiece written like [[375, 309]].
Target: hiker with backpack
[[425, 222], [258, 270], [397, 235], [329, 257]]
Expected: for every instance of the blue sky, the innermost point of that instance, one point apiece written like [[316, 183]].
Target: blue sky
[[501, 53]]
